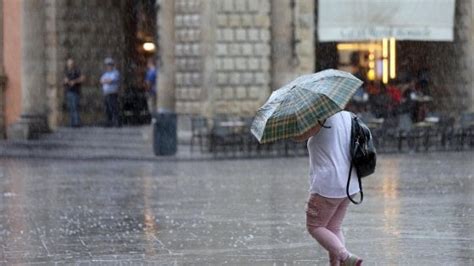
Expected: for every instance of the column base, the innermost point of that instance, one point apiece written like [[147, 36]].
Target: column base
[[3, 79], [28, 127]]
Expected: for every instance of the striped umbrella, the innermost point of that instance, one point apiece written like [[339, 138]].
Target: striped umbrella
[[298, 106]]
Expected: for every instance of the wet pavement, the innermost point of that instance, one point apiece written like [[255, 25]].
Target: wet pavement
[[418, 210]]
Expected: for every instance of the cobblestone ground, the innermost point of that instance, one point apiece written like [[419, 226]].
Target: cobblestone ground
[[418, 210]]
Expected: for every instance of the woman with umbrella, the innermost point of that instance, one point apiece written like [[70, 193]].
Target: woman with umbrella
[[310, 108]]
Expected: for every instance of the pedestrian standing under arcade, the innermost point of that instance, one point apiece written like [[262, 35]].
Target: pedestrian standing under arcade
[[110, 81], [73, 80], [151, 76]]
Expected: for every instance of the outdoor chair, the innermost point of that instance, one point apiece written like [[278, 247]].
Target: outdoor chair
[[441, 131], [384, 133], [374, 125], [380, 136], [464, 132], [199, 131], [250, 142], [278, 148], [467, 124], [265, 148], [295, 148], [224, 137], [404, 132], [447, 134], [419, 136]]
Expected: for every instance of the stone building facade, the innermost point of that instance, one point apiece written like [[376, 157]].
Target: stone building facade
[[230, 54], [87, 31], [216, 56], [242, 56], [223, 56]]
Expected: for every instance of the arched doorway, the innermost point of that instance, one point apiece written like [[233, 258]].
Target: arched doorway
[[91, 31]]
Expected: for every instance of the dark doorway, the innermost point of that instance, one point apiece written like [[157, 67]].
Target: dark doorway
[[141, 45]]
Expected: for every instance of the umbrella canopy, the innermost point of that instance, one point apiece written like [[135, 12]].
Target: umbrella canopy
[[298, 106]]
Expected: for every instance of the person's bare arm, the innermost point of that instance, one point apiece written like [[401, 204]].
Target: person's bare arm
[[105, 80], [76, 81], [308, 134]]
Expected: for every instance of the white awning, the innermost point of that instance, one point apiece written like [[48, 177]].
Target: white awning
[[363, 20]]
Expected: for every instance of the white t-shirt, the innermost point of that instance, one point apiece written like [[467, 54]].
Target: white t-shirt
[[112, 87], [329, 158]]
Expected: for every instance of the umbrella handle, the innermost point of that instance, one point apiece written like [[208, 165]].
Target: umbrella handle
[[322, 124]]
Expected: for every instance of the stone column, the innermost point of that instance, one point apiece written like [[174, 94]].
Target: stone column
[[208, 39], [306, 34], [1, 37], [281, 43], [166, 81], [54, 58], [292, 28], [464, 53], [33, 119], [470, 55], [2, 78]]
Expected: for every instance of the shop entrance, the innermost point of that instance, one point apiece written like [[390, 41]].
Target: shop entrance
[[397, 75], [408, 63]]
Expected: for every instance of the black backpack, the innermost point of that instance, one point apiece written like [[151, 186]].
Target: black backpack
[[363, 154]]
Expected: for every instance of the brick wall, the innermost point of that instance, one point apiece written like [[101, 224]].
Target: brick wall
[[188, 54], [235, 36], [242, 56]]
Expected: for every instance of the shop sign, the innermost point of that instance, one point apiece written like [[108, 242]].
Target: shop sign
[[377, 33], [361, 20]]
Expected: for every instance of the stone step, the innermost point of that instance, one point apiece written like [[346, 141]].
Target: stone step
[[97, 143]]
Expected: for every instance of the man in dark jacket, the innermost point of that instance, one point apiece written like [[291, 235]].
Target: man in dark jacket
[[73, 79]]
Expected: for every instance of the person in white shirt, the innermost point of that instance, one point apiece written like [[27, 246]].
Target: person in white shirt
[[110, 81], [329, 156]]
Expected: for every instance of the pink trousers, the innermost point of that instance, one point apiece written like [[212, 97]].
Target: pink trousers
[[323, 220]]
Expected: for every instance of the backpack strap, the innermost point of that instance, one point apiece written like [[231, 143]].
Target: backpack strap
[[360, 187], [353, 146]]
